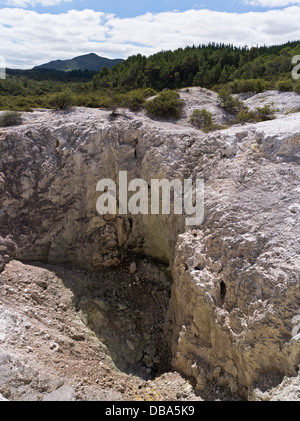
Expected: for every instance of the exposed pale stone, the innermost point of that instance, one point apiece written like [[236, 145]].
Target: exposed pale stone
[[132, 268]]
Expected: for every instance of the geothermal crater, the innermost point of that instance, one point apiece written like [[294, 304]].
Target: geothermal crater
[[144, 307]]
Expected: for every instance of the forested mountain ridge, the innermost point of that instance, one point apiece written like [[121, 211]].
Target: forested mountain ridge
[[90, 61]]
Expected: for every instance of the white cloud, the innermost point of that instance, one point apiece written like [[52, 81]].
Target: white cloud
[[28, 38], [272, 3], [26, 3]]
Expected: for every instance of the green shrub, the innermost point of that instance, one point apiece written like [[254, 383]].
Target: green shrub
[[2, 101], [297, 87], [106, 102], [167, 104], [259, 86], [148, 92], [231, 104], [135, 100], [92, 102], [10, 118], [23, 104], [247, 116], [265, 113], [202, 119], [284, 86], [248, 85], [260, 114], [62, 100], [81, 101]]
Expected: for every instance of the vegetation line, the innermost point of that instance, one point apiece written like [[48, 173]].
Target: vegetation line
[[130, 83]]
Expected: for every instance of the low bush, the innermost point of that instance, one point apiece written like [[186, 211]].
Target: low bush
[[284, 86], [10, 118], [135, 100], [265, 113], [260, 86], [148, 92], [247, 85], [202, 119], [165, 105], [62, 100], [297, 87], [246, 116], [260, 114], [231, 104]]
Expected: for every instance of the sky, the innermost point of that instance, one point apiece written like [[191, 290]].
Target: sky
[[33, 32]]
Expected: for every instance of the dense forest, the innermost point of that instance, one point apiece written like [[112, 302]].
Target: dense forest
[[205, 66], [211, 66], [55, 75]]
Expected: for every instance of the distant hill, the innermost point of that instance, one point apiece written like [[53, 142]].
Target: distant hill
[[91, 62]]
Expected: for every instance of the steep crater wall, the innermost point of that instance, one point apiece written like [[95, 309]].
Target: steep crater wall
[[49, 179]]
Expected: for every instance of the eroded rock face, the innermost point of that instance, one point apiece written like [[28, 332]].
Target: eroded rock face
[[236, 295], [235, 304], [50, 171], [7, 250]]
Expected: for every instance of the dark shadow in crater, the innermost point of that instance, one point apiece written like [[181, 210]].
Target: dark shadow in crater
[[126, 311]]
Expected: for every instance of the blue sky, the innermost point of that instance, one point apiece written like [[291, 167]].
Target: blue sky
[[33, 32], [131, 8]]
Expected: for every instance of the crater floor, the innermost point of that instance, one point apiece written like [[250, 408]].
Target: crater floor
[[50, 349]]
